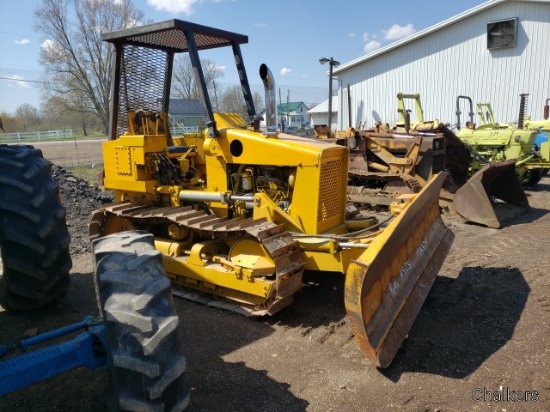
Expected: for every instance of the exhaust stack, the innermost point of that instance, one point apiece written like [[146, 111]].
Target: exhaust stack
[[270, 99], [522, 107]]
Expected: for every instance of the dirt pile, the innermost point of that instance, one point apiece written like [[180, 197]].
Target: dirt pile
[[80, 199]]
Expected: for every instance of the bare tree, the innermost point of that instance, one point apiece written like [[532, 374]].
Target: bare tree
[[77, 62], [183, 78], [28, 116], [258, 100], [55, 114], [232, 100]]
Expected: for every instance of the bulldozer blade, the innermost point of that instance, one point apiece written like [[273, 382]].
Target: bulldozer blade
[[386, 287], [492, 196]]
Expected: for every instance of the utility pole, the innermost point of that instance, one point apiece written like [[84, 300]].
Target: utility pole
[[331, 62], [287, 106], [281, 118]]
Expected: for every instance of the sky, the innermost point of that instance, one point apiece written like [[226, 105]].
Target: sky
[[289, 36]]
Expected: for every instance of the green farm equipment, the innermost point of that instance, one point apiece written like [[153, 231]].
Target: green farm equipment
[[391, 162], [542, 127], [492, 142], [488, 193]]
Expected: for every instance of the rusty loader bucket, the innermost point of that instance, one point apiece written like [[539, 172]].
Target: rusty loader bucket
[[492, 196], [386, 287]]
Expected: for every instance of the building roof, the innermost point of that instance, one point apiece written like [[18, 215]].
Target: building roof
[[282, 108], [189, 107], [323, 106], [422, 33]]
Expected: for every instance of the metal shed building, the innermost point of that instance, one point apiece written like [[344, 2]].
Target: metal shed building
[[492, 53]]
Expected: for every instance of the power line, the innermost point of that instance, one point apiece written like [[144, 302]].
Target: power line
[[26, 81], [31, 81]]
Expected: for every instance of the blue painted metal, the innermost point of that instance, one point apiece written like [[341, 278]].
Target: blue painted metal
[[88, 348], [541, 137]]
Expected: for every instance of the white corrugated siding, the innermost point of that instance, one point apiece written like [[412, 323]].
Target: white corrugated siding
[[455, 61]]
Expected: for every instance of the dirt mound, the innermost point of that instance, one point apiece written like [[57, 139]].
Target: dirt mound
[[80, 199]]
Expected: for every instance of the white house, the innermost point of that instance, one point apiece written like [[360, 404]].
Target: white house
[[319, 113], [293, 114], [491, 53]]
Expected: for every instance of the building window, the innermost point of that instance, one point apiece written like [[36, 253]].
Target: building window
[[502, 33]]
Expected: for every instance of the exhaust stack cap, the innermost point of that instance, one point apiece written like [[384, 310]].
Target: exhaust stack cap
[[270, 101]]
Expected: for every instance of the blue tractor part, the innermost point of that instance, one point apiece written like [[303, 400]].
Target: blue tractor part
[[541, 138], [86, 349], [137, 338]]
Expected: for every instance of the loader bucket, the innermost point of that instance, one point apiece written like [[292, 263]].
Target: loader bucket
[[386, 287], [492, 196]]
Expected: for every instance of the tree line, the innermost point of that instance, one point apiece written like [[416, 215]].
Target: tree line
[[77, 68]]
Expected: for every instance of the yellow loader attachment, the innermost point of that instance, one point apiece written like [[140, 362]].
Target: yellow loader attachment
[[492, 196], [387, 285]]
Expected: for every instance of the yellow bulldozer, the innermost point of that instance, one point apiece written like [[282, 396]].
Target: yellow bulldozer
[[239, 213]]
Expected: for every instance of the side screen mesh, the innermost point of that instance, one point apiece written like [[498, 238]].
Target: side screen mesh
[[330, 190], [143, 82]]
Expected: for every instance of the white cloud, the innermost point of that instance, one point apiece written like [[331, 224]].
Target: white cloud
[[174, 6], [285, 71], [371, 46], [396, 32], [22, 42], [51, 48], [19, 81], [367, 37], [132, 23], [371, 43], [48, 45], [260, 24]]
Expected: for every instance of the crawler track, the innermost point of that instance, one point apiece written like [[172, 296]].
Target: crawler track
[[282, 249]]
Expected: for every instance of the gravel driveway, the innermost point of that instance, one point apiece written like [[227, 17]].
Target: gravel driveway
[[480, 342]]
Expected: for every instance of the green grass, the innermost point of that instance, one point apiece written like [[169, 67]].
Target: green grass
[[88, 173]]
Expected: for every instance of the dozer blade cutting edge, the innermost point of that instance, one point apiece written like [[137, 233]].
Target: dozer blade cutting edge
[[386, 287], [492, 196]]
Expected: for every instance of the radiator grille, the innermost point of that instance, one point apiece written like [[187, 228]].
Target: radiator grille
[[330, 190]]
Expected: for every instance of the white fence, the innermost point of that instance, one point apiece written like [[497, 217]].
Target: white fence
[[36, 136], [178, 130], [68, 133]]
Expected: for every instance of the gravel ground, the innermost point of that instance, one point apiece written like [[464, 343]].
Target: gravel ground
[[482, 334]]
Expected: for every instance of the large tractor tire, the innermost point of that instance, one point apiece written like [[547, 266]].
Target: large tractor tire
[[141, 324], [531, 177], [34, 240]]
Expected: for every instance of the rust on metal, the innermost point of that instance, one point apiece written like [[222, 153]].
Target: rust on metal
[[492, 196], [387, 286]]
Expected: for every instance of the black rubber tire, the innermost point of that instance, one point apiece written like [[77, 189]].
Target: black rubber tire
[[141, 324], [532, 176], [34, 239]]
